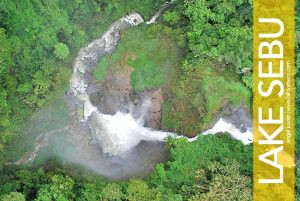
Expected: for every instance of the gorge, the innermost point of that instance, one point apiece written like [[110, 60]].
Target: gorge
[[119, 145]]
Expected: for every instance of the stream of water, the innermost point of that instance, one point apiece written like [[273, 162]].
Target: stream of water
[[117, 133], [121, 132], [120, 136]]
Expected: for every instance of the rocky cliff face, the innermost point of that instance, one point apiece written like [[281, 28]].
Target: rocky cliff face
[[115, 93], [153, 118]]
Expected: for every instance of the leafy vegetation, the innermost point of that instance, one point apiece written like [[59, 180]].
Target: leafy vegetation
[[38, 41], [61, 51], [208, 168], [217, 30], [33, 35], [151, 57], [13, 196], [117, 8], [223, 184], [100, 70], [199, 94], [51, 117], [218, 43]]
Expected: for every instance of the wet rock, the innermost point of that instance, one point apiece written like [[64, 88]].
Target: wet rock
[[243, 128], [240, 116], [145, 105], [227, 110], [114, 93], [154, 113]]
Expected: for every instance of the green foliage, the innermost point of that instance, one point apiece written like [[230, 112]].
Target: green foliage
[[171, 17], [145, 74], [198, 95], [112, 192], [60, 189], [219, 40], [297, 114], [37, 42], [222, 182], [147, 8], [189, 159], [220, 92], [208, 168], [90, 192], [248, 80], [61, 51], [21, 180], [100, 71], [53, 116], [217, 31], [151, 58], [297, 35], [168, 120], [35, 38], [5, 108], [154, 59], [13, 196], [138, 190]]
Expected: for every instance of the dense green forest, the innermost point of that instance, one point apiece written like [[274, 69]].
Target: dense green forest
[[210, 42], [39, 39], [204, 169]]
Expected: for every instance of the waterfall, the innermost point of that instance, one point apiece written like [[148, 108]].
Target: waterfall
[[120, 133], [159, 12], [222, 126], [115, 133]]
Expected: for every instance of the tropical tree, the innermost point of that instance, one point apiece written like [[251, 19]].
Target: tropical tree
[[139, 190], [13, 196], [222, 182], [60, 189], [61, 51], [112, 192]]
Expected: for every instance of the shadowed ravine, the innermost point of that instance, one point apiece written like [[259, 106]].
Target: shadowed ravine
[[116, 146]]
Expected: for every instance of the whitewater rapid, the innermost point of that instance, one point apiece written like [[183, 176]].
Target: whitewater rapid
[[120, 133], [223, 126]]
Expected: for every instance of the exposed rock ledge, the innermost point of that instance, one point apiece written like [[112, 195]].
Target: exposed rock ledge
[[115, 93]]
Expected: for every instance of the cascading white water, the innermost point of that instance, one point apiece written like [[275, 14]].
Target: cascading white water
[[159, 12], [222, 126], [119, 133], [115, 133]]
